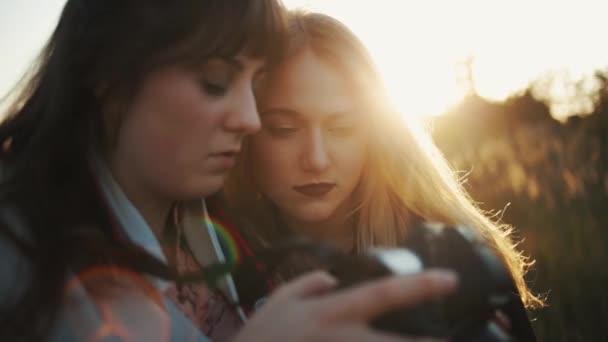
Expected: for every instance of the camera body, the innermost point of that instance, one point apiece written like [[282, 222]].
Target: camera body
[[485, 284], [468, 314]]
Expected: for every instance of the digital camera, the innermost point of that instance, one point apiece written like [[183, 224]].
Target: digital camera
[[485, 284]]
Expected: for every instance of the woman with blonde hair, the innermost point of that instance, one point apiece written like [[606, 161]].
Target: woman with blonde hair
[[336, 162]]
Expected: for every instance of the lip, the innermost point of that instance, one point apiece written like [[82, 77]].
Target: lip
[[234, 150], [315, 189], [226, 159]]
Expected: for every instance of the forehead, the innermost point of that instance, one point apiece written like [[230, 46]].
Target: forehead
[[309, 86]]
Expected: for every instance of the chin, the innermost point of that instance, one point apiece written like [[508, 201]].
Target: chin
[[207, 188], [314, 214]]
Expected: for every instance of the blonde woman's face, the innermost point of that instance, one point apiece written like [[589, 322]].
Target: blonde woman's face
[[310, 154]]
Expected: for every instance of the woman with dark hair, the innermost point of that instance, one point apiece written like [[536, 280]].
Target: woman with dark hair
[[133, 115]]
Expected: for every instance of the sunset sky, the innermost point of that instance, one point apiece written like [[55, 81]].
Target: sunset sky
[[417, 45]]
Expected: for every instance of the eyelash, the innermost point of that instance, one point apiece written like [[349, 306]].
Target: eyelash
[[286, 131], [282, 131], [214, 89]]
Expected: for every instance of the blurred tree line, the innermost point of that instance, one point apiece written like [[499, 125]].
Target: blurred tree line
[[549, 179]]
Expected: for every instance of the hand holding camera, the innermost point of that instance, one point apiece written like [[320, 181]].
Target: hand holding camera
[[468, 314]]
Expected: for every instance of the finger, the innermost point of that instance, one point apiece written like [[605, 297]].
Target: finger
[[369, 300], [309, 284]]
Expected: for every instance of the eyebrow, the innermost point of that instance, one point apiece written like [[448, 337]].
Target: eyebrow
[[238, 64], [340, 114]]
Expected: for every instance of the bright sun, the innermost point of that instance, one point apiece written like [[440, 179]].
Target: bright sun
[[422, 48]]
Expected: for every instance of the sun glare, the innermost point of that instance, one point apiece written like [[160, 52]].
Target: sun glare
[[432, 53]]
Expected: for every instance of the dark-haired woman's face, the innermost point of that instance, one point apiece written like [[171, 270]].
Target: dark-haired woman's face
[[183, 129]]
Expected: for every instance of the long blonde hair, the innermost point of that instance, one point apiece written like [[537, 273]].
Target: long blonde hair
[[406, 176]]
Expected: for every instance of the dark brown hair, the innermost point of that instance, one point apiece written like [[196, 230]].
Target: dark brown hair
[[100, 51]]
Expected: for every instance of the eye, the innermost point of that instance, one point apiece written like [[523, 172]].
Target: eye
[[214, 89], [282, 131], [343, 129], [281, 122], [216, 77]]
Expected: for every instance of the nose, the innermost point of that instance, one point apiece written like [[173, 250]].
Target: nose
[[244, 117], [315, 157]]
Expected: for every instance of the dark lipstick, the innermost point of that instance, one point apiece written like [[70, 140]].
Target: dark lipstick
[[315, 189]]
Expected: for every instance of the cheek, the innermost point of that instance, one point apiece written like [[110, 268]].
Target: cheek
[[273, 163], [169, 139], [166, 135], [351, 158], [186, 126], [148, 155]]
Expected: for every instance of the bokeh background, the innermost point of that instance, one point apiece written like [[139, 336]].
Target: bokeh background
[[516, 95], [550, 179]]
